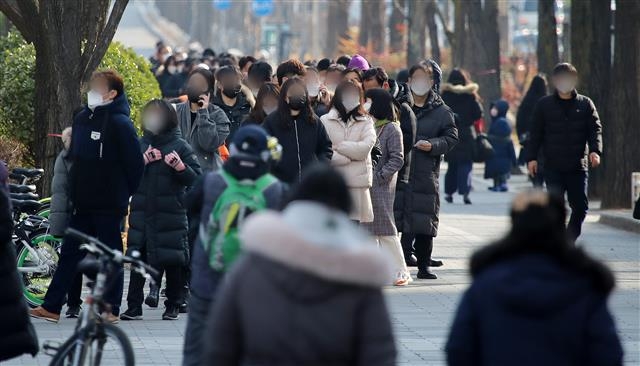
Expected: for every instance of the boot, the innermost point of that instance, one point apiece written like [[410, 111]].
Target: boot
[[154, 296], [425, 274]]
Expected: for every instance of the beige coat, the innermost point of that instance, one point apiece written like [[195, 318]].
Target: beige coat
[[352, 144]]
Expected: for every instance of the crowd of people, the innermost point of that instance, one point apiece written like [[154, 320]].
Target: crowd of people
[[311, 186]]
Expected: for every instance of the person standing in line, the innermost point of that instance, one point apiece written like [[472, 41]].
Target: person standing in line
[[249, 163], [17, 335], [158, 226], [244, 64], [535, 299], [266, 103], [168, 79], [461, 95], [385, 174], [498, 167], [303, 137], [203, 125], [259, 74], [319, 96], [567, 128], [417, 203], [290, 69], [107, 168], [309, 273], [230, 98], [352, 136], [524, 120]]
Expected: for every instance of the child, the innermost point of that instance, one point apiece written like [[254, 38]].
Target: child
[[158, 225], [499, 166]]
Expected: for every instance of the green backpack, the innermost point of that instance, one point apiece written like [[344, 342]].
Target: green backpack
[[239, 200]]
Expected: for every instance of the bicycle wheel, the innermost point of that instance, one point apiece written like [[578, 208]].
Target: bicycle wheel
[[111, 348], [35, 285]]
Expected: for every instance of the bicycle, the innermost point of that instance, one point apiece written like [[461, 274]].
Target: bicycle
[[87, 344], [24, 177]]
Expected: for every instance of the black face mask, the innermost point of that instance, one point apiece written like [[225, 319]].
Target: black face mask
[[297, 103], [231, 92], [194, 94]]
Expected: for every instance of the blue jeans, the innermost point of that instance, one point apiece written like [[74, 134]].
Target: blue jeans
[[458, 178], [575, 185], [194, 335], [107, 229]]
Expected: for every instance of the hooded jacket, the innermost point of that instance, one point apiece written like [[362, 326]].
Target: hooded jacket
[[504, 156], [60, 211], [107, 161], [158, 218], [461, 99], [237, 113], [306, 293]]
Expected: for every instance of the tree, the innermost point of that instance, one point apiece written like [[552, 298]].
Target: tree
[[547, 50], [417, 32], [621, 131], [337, 24], [70, 38], [397, 26], [431, 10], [377, 13]]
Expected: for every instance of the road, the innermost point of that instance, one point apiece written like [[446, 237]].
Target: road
[[422, 312]]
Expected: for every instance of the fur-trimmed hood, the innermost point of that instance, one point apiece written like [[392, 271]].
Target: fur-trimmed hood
[[460, 89], [316, 240]]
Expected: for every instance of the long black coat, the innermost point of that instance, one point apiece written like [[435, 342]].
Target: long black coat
[[461, 100], [17, 335], [158, 218], [417, 203]]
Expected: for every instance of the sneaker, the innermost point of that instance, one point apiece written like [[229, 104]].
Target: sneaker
[[435, 263], [402, 279], [171, 312], [134, 313], [111, 318], [153, 298], [73, 312], [412, 261], [426, 275], [448, 198], [503, 188], [42, 313]]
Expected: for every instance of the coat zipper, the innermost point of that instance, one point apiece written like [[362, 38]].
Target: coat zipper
[[295, 125]]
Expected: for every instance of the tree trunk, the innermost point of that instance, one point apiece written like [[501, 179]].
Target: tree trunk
[[337, 25], [547, 50], [397, 26], [621, 132], [378, 13], [417, 32], [433, 30], [365, 23], [459, 45]]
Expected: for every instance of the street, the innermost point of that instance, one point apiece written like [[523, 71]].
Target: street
[[423, 311]]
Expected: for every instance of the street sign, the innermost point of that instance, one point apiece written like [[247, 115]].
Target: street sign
[[262, 8], [222, 4]]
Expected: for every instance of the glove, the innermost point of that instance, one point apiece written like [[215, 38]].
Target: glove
[[152, 154], [173, 160]]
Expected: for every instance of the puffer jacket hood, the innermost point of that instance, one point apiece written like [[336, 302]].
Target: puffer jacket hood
[[400, 92], [120, 105], [318, 242], [459, 88], [502, 106]]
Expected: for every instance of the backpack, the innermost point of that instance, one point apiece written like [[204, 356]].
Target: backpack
[[235, 204]]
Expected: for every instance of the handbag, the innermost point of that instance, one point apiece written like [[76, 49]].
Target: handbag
[[636, 210], [482, 149]]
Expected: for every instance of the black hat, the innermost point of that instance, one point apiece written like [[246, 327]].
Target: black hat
[[251, 140]]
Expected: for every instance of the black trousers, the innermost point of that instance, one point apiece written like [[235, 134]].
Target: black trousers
[[575, 185], [175, 282], [419, 244]]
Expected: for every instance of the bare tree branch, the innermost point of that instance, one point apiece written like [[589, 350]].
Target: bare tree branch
[[447, 31], [13, 12], [94, 52], [402, 11]]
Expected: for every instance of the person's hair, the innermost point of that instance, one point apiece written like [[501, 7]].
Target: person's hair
[[170, 60], [310, 63], [538, 227], [261, 71], [114, 80], [324, 64], [257, 114], [350, 70], [208, 75], [208, 52], [403, 76], [344, 60], [336, 68], [382, 104], [377, 73], [169, 115], [565, 68], [229, 60], [325, 185], [289, 69], [336, 102], [284, 111], [537, 89], [225, 71], [459, 76], [421, 66], [310, 68], [245, 60]]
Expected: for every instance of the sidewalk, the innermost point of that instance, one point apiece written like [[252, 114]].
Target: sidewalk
[[422, 312]]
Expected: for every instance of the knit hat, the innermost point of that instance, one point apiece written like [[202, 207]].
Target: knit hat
[[358, 62], [251, 140]]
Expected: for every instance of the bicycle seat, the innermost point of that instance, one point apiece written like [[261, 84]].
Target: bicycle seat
[[19, 188], [89, 267], [24, 196], [29, 173], [26, 206]]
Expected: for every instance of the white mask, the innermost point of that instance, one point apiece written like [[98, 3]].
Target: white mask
[[313, 89], [152, 124], [172, 69], [268, 110], [565, 86], [367, 105], [350, 102], [94, 99], [420, 87]]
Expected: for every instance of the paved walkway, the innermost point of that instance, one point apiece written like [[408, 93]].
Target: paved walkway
[[423, 311]]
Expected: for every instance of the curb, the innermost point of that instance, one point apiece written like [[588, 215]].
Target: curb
[[620, 220]]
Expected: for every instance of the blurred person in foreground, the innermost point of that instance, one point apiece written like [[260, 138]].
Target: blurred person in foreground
[[535, 298], [308, 289]]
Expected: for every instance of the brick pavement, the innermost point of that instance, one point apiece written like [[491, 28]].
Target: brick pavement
[[423, 311]]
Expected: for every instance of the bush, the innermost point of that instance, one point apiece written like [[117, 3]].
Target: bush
[[17, 88], [13, 153]]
